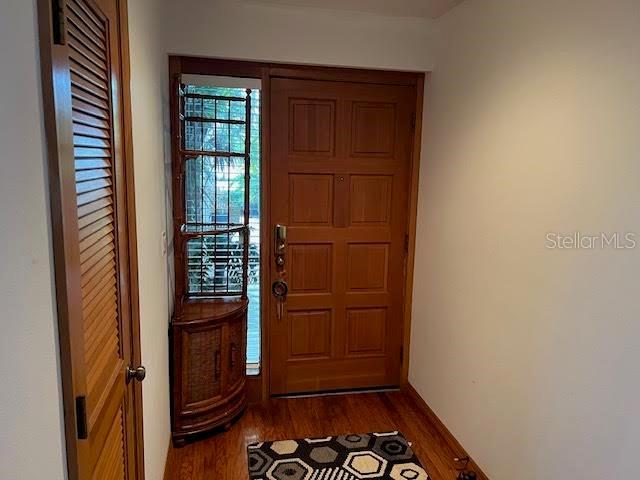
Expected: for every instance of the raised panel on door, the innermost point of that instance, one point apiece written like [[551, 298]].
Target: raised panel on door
[[309, 334], [94, 236], [310, 199], [370, 199], [373, 127], [367, 267], [310, 268], [312, 130], [340, 154], [366, 331]]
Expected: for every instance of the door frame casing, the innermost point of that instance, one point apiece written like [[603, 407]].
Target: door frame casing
[[58, 148], [259, 385]]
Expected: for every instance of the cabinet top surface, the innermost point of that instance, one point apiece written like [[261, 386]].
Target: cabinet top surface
[[194, 310]]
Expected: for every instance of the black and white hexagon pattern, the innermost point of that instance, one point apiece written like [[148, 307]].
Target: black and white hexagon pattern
[[380, 455]]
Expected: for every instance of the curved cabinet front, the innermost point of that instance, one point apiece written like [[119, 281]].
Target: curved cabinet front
[[208, 366]]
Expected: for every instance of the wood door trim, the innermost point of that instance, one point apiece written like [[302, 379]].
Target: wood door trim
[[242, 68], [50, 59], [334, 74], [412, 218], [266, 233], [58, 146], [266, 71], [134, 293]]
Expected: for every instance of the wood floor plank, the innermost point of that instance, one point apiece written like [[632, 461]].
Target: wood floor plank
[[223, 456]]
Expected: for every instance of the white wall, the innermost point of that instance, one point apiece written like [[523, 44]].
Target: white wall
[[244, 30], [149, 72], [31, 439], [530, 355]]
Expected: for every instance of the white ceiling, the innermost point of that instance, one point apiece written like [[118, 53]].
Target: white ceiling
[[396, 8]]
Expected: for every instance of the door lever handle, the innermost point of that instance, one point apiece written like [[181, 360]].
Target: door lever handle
[[138, 373]]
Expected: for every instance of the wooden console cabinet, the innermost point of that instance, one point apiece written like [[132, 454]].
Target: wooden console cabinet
[[208, 359], [211, 213]]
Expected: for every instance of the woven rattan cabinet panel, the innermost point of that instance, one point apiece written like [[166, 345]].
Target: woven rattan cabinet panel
[[202, 369], [208, 366]]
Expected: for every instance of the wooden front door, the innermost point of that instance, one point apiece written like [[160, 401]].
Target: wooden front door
[[84, 56], [340, 161]]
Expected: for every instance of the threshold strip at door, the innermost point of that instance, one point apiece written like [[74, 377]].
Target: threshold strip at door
[[338, 392]]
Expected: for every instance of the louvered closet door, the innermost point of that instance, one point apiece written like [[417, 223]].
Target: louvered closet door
[[101, 322]]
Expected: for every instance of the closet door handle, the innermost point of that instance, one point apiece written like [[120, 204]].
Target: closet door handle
[[137, 373]]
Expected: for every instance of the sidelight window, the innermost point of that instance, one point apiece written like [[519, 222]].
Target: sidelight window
[[220, 228]]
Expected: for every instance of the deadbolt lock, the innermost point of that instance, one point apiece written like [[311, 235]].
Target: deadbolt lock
[[280, 245]]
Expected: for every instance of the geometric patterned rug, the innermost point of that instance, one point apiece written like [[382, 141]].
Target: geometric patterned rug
[[346, 457]]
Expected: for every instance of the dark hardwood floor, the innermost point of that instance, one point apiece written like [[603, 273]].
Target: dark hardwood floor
[[223, 456]]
